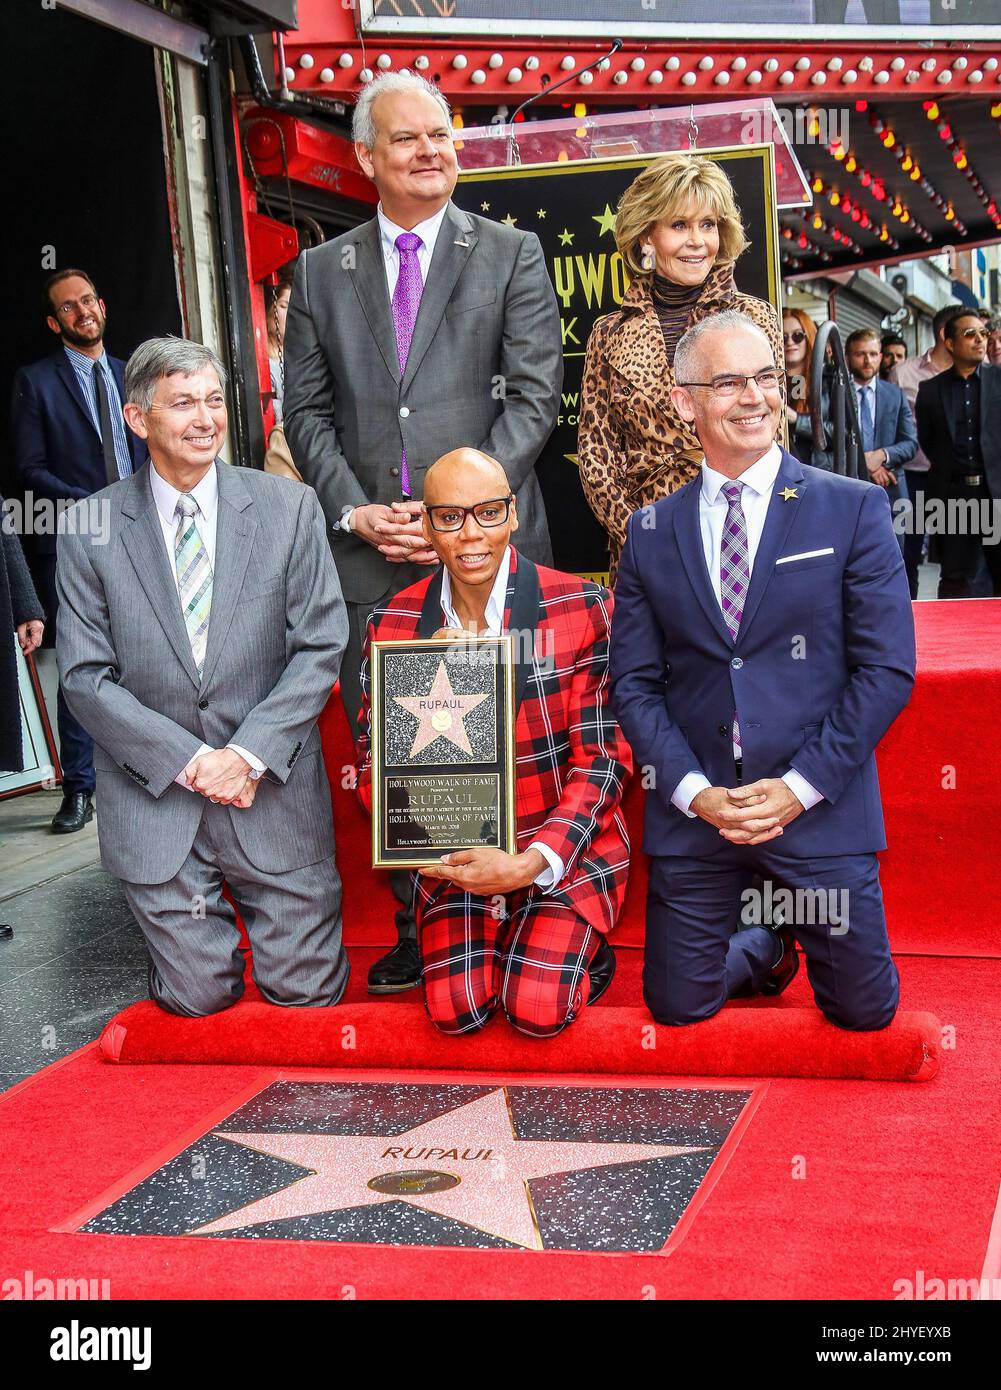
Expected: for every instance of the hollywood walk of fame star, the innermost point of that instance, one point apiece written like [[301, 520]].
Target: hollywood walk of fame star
[[566, 237], [509, 221], [605, 220], [491, 1194], [440, 713]]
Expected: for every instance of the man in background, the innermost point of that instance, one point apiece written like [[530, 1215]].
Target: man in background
[[894, 350], [959, 427], [423, 330], [71, 440], [889, 437], [909, 375]]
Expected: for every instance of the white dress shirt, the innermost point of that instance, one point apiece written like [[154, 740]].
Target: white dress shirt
[[206, 494], [389, 231], [758, 482], [494, 618]]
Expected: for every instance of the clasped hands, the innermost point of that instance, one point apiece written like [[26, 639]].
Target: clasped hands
[[222, 776], [486, 871], [749, 815], [396, 531]]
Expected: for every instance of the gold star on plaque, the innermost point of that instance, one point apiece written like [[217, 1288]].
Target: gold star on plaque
[[788, 493], [484, 207], [605, 220], [566, 238], [440, 713], [509, 221], [541, 213]]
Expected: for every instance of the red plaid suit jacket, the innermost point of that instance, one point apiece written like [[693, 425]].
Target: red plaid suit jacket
[[573, 762]]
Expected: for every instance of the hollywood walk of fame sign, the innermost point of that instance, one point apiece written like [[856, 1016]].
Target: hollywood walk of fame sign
[[442, 749], [604, 1167]]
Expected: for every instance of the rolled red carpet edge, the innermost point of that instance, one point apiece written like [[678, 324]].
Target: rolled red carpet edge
[[781, 1042]]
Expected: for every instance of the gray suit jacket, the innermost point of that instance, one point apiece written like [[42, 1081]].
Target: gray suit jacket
[[276, 633], [484, 369]]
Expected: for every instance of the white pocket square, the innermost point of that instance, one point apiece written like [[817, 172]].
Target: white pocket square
[[805, 555]]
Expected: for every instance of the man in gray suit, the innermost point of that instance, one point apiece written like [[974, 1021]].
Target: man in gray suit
[[197, 646], [424, 330]]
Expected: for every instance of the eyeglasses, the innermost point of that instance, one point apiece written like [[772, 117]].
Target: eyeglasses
[[972, 333], [767, 380], [447, 517], [797, 336]]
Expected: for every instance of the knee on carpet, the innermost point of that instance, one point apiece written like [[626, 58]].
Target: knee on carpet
[[456, 1014], [200, 1000], [863, 1020], [673, 1012]]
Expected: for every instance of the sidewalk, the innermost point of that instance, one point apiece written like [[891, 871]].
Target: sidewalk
[[76, 956]]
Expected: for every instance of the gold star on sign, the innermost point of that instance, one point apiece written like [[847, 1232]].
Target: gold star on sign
[[573, 459], [509, 221], [788, 493], [605, 221], [566, 238], [541, 212], [484, 207]]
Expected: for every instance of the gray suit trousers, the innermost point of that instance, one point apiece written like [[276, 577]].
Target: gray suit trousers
[[293, 920]]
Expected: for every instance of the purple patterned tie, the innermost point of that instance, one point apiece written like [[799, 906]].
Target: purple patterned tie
[[406, 302], [734, 568]]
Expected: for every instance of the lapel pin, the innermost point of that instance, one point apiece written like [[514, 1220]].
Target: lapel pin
[[462, 243], [788, 493]]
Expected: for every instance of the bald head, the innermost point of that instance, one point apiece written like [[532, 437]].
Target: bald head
[[461, 469], [469, 517]]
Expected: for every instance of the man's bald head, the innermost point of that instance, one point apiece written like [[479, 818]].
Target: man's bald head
[[460, 469], [470, 543]]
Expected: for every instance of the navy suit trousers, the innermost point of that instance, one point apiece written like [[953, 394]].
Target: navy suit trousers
[[700, 952]]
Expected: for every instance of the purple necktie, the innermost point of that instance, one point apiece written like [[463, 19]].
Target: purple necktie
[[406, 302], [734, 568]]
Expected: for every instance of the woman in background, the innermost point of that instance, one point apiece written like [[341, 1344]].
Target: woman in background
[[679, 232]]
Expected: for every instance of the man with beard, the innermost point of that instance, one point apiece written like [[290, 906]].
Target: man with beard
[[71, 440]]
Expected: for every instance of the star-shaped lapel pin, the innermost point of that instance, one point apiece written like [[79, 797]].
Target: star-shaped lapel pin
[[440, 713], [788, 493]]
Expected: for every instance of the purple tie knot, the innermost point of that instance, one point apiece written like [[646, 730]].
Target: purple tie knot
[[407, 243], [732, 491]]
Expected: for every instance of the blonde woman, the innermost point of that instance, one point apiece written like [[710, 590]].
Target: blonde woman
[[679, 232]]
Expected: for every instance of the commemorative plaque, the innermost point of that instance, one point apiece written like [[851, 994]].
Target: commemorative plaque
[[442, 749]]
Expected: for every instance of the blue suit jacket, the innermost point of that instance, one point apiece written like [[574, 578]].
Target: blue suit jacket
[[822, 665], [895, 430], [57, 449]]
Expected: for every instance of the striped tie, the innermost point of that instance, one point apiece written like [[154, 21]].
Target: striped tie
[[194, 577], [734, 569]]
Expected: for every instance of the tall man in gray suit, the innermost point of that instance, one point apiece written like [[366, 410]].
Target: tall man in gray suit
[[197, 646], [424, 330]]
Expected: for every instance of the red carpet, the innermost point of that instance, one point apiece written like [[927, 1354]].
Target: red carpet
[[938, 776], [835, 1190], [737, 1042]]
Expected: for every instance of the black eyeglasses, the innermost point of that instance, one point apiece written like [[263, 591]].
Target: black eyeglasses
[[447, 517], [766, 380]]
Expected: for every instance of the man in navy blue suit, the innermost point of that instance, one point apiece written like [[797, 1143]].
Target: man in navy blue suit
[[762, 644], [889, 434], [71, 440]]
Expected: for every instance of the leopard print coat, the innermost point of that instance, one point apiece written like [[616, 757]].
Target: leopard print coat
[[632, 446]]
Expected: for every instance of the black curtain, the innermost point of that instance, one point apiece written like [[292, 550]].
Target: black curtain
[[85, 175]]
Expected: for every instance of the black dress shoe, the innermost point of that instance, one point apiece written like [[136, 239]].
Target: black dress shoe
[[784, 970], [74, 813], [601, 971], [397, 970]]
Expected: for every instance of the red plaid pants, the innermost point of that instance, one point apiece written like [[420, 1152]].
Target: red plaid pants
[[530, 960]]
